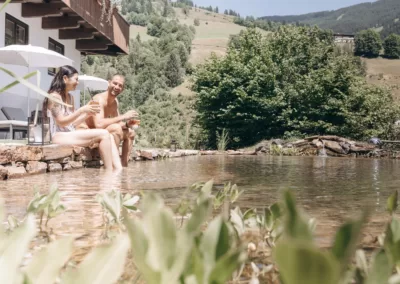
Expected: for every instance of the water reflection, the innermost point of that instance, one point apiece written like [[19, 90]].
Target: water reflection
[[375, 181], [330, 189]]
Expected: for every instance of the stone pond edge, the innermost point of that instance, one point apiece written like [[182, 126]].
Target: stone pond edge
[[18, 161]]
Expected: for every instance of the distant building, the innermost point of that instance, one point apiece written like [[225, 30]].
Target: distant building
[[344, 38]]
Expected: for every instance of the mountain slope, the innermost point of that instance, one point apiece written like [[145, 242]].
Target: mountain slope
[[383, 15]]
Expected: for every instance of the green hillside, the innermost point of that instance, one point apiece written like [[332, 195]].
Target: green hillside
[[168, 44], [384, 15]]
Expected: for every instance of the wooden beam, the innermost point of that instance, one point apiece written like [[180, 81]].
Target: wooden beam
[[66, 9], [87, 44], [91, 11], [112, 50], [23, 1], [76, 34], [105, 40], [56, 23], [30, 10]]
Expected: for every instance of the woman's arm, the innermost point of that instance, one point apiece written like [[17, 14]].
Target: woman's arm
[[81, 118], [58, 115]]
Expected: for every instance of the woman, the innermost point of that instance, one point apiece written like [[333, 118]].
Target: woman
[[65, 119]]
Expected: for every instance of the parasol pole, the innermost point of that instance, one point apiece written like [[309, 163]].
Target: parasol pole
[[29, 94], [37, 97], [84, 93]]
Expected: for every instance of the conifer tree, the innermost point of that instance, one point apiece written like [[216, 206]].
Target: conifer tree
[[173, 70]]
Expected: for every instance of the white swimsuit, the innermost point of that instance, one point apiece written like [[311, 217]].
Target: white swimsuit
[[54, 128]]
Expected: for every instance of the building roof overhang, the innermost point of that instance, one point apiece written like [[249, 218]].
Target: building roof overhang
[[82, 21]]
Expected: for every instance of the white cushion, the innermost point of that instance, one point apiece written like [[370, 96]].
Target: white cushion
[[13, 123]]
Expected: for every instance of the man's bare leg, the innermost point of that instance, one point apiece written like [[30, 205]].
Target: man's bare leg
[[117, 134], [115, 155], [127, 143], [116, 131]]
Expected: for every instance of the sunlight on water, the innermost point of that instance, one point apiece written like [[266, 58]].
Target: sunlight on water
[[330, 189]]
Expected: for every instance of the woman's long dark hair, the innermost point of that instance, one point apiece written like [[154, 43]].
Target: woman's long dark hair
[[58, 85]]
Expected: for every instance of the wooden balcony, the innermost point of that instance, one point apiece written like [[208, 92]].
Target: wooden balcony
[[81, 20]]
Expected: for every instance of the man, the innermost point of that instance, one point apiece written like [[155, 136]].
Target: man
[[110, 119]]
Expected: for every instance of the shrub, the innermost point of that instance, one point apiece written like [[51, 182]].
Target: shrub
[[368, 43], [137, 19], [392, 46], [185, 10]]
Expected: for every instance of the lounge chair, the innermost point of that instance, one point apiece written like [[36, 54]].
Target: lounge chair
[[3, 134], [13, 120]]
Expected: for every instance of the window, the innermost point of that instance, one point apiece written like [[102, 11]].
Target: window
[[16, 31], [57, 47]]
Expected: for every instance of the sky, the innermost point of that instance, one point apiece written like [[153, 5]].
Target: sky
[[259, 8]]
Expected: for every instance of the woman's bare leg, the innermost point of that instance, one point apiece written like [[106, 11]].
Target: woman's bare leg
[[85, 138]]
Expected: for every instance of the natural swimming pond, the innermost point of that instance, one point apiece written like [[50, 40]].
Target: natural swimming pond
[[329, 189]]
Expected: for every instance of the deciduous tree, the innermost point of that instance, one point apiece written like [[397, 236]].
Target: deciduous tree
[[368, 43], [291, 83], [392, 46]]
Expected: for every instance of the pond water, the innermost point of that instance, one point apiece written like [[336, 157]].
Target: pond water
[[329, 189]]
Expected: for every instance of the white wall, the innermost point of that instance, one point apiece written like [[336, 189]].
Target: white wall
[[17, 96]]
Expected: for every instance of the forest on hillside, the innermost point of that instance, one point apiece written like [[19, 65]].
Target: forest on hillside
[[258, 91], [383, 15]]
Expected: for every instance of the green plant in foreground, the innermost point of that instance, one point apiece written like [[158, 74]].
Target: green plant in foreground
[[297, 251], [228, 193], [113, 203], [164, 254], [267, 221], [204, 250], [299, 260], [48, 205], [46, 265]]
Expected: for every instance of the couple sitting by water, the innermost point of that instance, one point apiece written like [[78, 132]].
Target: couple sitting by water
[[95, 123]]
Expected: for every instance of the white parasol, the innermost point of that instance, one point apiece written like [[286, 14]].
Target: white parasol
[[91, 83], [32, 56]]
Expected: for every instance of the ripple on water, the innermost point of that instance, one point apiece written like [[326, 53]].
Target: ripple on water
[[330, 189]]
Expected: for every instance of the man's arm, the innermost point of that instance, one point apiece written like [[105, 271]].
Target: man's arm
[[123, 124], [100, 121]]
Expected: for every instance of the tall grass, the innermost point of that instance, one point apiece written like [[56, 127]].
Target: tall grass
[[222, 140]]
